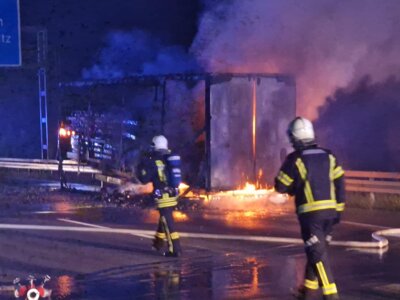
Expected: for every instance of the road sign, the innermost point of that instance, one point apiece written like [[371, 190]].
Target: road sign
[[10, 34]]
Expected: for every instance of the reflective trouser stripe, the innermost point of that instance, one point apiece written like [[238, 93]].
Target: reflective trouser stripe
[[160, 235], [327, 287], [174, 235], [311, 284], [168, 234], [330, 289], [322, 274], [317, 205]]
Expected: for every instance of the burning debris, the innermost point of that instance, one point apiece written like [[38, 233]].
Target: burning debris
[[249, 199]]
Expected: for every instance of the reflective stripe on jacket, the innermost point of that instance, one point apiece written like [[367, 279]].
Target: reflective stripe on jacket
[[314, 177], [152, 168]]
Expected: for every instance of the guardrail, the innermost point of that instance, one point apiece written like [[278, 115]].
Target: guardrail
[[109, 179], [356, 181], [372, 182], [45, 165]]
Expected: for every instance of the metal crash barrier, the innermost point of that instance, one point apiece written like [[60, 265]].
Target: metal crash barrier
[[356, 181], [373, 182], [45, 165]]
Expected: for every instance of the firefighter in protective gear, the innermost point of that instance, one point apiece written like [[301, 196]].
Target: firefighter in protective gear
[[313, 175], [159, 167]]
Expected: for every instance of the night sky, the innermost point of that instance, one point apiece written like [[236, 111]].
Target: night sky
[[77, 28], [81, 35]]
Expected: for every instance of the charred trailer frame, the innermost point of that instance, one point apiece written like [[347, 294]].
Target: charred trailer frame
[[241, 120], [248, 115]]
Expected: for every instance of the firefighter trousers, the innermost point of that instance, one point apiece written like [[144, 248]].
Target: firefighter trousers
[[166, 230], [316, 235]]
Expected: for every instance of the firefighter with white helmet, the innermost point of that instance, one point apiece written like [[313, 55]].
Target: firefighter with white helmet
[[162, 168], [301, 133], [160, 143], [314, 177]]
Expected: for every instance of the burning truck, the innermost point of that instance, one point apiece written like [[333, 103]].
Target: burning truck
[[230, 129]]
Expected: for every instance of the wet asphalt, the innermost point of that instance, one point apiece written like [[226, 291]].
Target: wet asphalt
[[98, 265]]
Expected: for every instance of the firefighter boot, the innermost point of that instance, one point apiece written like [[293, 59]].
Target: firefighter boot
[[174, 246], [303, 293], [331, 297], [172, 254], [158, 244]]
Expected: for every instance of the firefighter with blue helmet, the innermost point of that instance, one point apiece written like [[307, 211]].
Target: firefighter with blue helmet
[[162, 168], [313, 176]]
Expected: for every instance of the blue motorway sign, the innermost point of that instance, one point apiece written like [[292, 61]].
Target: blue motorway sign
[[10, 34]]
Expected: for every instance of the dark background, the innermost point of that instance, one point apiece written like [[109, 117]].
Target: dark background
[[77, 32]]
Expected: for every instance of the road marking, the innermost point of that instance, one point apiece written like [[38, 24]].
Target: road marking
[[98, 226], [49, 212], [379, 251], [81, 223], [379, 240], [364, 225], [67, 211]]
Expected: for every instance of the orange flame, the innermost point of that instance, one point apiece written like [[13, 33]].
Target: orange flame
[[249, 187], [62, 132], [254, 121], [180, 216], [182, 187]]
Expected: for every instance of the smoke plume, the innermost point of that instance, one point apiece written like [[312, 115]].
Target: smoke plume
[[325, 44], [128, 53], [362, 124], [330, 46]]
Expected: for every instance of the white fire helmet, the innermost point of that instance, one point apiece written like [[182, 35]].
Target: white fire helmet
[[301, 132], [160, 142]]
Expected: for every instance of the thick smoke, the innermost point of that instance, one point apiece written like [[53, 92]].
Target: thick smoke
[[128, 53], [325, 44], [362, 125], [330, 46]]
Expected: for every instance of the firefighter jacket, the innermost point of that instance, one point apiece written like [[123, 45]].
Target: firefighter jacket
[[316, 180], [152, 168]]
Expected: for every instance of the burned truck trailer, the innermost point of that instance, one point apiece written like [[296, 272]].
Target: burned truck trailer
[[228, 128]]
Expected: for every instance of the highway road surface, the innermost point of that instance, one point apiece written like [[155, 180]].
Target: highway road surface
[[100, 252]]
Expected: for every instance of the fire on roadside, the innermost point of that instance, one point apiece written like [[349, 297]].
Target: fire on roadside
[[180, 216], [249, 198]]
